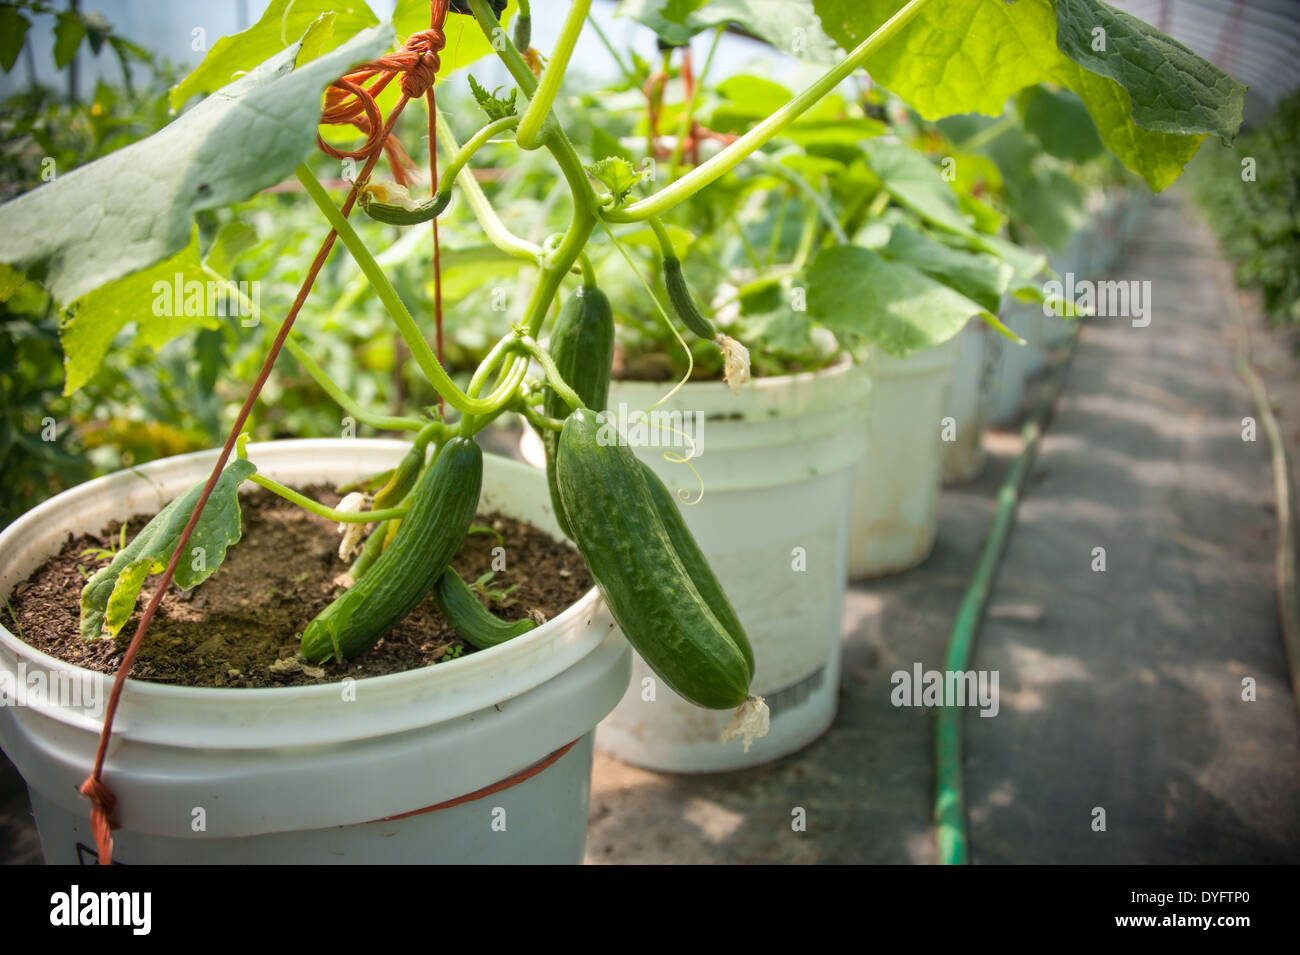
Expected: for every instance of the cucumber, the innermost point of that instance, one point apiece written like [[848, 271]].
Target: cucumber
[[683, 303], [631, 556], [696, 564], [443, 505], [582, 346], [475, 624]]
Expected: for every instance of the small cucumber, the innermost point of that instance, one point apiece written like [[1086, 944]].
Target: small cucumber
[[683, 303], [630, 554], [696, 564], [401, 481], [443, 505], [476, 625], [582, 346]]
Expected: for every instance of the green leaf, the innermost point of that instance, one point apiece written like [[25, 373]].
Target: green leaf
[[979, 276], [972, 55], [496, 107], [69, 31], [1171, 89], [916, 183], [234, 239], [1027, 267], [1061, 124], [466, 43], [13, 31], [135, 206], [892, 305], [149, 298], [789, 25], [109, 597], [1039, 191], [283, 21], [617, 175]]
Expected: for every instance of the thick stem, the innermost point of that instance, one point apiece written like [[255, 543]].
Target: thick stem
[[727, 160], [533, 127]]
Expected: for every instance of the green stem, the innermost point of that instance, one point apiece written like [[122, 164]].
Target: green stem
[[685, 126], [343, 517], [558, 143], [778, 231], [987, 134], [497, 234], [614, 54], [420, 349], [553, 376], [783, 171], [532, 127], [534, 417], [344, 400], [806, 239], [727, 160], [665, 240]]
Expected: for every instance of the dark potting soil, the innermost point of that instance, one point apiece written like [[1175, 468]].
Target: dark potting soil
[[240, 627]]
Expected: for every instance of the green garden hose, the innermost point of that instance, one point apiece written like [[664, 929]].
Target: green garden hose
[[950, 799]]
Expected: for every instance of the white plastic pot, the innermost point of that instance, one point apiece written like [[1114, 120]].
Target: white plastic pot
[[968, 406], [896, 485], [775, 463], [1011, 363], [313, 773]]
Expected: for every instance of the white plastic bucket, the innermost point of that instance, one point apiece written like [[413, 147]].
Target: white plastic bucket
[[896, 484], [776, 464], [968, 406], [1010, 363], [312, 773]]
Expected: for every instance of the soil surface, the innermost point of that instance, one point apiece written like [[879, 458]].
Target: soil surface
[[240, 627]]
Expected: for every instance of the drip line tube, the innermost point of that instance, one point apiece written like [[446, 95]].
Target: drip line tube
[[949, 798]]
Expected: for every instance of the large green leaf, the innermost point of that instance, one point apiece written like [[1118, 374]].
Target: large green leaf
[[916, 183], [88, 327], [135, 207], [791, 26], [109, 597], [1153, 100], [1060, 122], [979, 276], [1039, 190], [891, 305], [281, 24]]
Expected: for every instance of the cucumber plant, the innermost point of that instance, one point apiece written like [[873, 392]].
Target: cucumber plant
[[653, 575]]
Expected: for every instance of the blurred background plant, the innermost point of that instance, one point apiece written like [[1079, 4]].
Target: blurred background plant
[[1250, 192]]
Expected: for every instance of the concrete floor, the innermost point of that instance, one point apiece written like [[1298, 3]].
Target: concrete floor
[[1119, 690]]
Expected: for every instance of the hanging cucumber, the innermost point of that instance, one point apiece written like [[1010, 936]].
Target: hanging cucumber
[[696, 564], [631, 555], [582, 346], [683, 303], [475, 624], [443, 504]]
